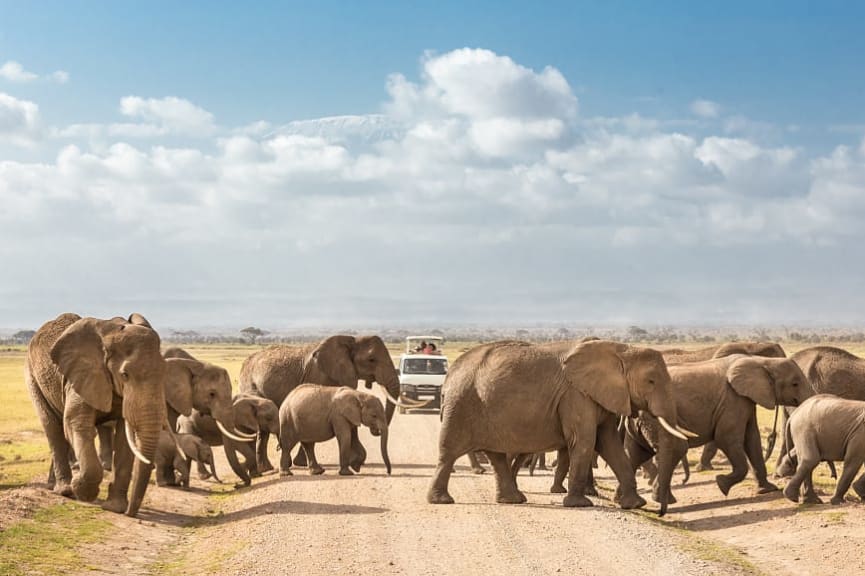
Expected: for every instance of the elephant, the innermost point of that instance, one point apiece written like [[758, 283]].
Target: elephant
[[515, 397], [339, 360], [314, 413], [81, 372], [251, 414], [829, 370], [826, 427], [175, 454], [766, 349], [718, 400]]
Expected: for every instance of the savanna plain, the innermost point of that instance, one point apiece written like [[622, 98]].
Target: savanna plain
[[372, 523]]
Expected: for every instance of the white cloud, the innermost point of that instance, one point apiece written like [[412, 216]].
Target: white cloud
[[482, 162], [171, 114], [19, 119], [705, 108], [59, 76], [14, 72]]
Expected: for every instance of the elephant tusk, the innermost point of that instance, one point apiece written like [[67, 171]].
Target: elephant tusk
[[670, 429], [252, 436], [406, 400], [687, 432], [130, 439], [234, 437], [400, 404]]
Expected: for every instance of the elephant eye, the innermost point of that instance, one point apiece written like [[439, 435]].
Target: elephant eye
[[795, 384], [212, 394]]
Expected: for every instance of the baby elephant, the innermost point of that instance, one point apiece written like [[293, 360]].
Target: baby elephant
[[312, 413], [169, 460], [826, 427]]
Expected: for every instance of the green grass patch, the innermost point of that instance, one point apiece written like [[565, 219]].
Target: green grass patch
[[47, 543], [20, 462]]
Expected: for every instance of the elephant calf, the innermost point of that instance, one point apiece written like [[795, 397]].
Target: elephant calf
[[313, 413], [170, 461], [826, 427]]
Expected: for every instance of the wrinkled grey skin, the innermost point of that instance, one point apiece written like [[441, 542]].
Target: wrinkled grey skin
[[82, 372], [251, 414], [313, 413], [172, 465], [335, 361], [829, 370], [717, 400], [826, 427], [514, 397]]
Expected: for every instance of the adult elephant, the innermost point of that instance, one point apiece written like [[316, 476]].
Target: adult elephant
[[82, 372], [718, 400], [515, 397], [829, 370], [251, 415], [677, 357], [335, 361]]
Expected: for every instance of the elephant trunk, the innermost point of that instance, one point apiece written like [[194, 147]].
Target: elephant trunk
[[385, 458], [145, 417], [389, 380]]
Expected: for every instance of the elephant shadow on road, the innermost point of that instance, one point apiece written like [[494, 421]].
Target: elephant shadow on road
[[279, 507], [736, 517]]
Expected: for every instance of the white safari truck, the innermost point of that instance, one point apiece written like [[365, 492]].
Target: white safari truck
[[422, 370]]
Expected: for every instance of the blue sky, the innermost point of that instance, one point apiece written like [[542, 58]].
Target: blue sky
[[595, 162]]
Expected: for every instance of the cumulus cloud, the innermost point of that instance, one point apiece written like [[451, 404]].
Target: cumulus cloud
[[482, 162], [15, 72], [19, 119]]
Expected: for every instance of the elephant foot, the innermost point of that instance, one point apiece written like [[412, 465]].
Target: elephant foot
[[836, 500], [106, 465], [285, 473], [703, 466], [591, 490], [316, 470], [576, 501], [767, 488], [64, 489], [657, 498], [116, 504], [204, 475], [791, 494], [724, 483], [478, 470], [436, 497], [859, 490], [254, 474], [345, 472], [85, 492], [516, 497], [812, 499], [631, 501], [355, 465], [243, 484], [265, 466], [558, 489]]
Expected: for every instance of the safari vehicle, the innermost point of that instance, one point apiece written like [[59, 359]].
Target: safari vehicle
[[422, 371]]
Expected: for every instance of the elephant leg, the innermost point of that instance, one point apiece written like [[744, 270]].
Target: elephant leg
[[519, 460], [671, 451], [229, 445], [735, 452], [859, 486], [106, 450], [287, 442], [852, 463], [60, 474], [506, 485], [123, 461], [563, 462], [611, 450], [581, 436], [358, 452], [249, 461], [477, 468], [264, 464], [344, 440], [809, 495], [709, 452], [438, 490], [314, 467], [80, 423], [300, 458], [754, 451], [591, 489], [782, 425], [807, 463], [638, 455], [182, 468], [203, 474]]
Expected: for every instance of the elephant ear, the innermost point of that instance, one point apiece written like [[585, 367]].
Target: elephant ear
[[750, 378], [245, 414], [139, 320], [334, 358], [347, 403], [179, 373], [598, 370], [80, 355]]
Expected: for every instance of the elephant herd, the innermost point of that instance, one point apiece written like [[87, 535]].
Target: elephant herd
[[632, 406]]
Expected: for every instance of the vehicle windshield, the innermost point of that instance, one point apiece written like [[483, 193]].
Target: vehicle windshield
[[425, 366]]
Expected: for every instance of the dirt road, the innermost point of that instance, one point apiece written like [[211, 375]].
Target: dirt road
[[374, 524]]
